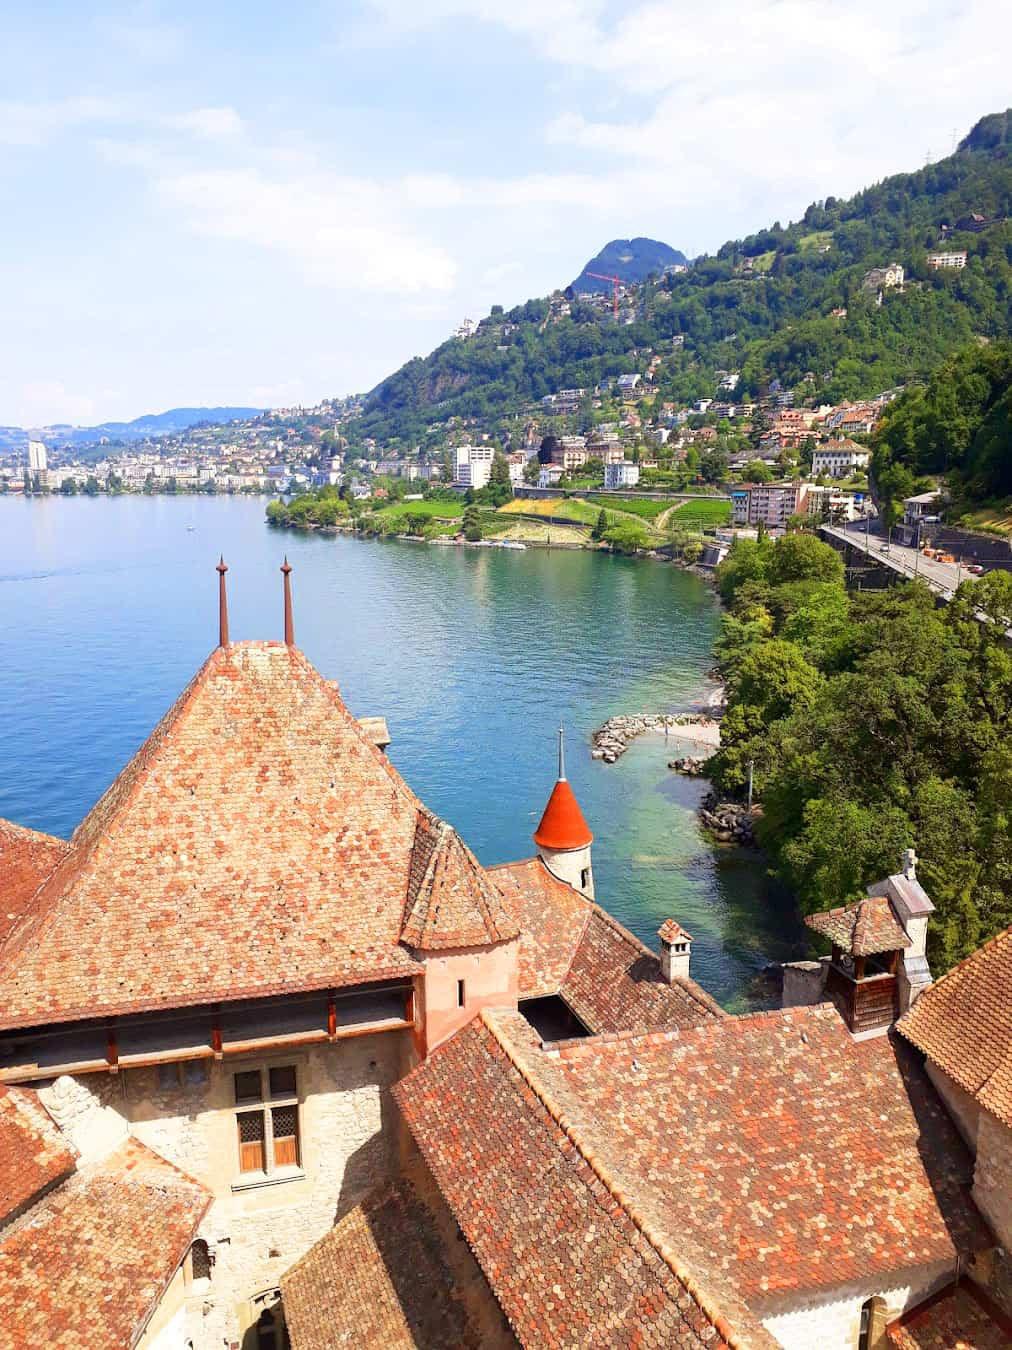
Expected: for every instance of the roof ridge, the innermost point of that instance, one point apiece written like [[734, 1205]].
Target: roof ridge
[[726, 1024], [684, 986], [37, 923], [1000, 936], [6, 824], [572, 1132]]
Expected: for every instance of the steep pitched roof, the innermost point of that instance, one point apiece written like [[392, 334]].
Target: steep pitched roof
[[551, 916], [381, 1277], [257, 843], [571, 947], [963, 1022], [450, 901], [568, 1261], [26, 859], [794, 1158], [89, 1263], [765, 1156], [615, 984], [33, 1153], [562, 825], [960, 1317], [864, 928]]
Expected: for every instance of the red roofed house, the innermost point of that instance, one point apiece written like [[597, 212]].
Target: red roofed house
[[298, 1042]]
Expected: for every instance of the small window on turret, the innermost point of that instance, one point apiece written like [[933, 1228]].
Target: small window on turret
[[585, 878], [460, 993]]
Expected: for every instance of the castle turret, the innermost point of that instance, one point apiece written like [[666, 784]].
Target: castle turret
[[563, 837]]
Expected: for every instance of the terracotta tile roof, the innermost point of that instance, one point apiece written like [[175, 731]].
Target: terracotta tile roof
[[26, 859], [794, 1158], [562, 824], [963, 1023], [568, 1262], [864, 928], [88, 1264], [959, 1318], [615, 984], [670, 931], [551, 916], [451, 902], [572, 947], [258, 822], [381, 1277], [33, 1152]]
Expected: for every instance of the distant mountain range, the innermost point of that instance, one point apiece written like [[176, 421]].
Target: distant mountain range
[[629, 260], [151, 424]]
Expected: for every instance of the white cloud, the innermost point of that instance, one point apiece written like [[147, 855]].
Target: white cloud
[[43, 402], [30, 124], [208, 122], [341, 232]]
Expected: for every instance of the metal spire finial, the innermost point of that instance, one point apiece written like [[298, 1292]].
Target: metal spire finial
[[562, 754], [221, 569], [289, 625]]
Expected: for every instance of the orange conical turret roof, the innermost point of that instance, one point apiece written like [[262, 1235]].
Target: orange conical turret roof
[[562, 825]]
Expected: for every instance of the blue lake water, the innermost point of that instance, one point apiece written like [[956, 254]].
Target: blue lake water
[[108, 606]]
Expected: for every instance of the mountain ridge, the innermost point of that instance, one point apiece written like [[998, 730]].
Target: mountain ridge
[[789, 304], [630, 260], [138, 428]]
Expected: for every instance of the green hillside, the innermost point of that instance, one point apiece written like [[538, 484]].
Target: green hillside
[[763, 305]]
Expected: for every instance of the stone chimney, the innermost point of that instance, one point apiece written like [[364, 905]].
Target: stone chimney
[[912, 907], [676, 949]]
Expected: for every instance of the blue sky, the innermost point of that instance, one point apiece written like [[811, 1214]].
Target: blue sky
[[266, 204]]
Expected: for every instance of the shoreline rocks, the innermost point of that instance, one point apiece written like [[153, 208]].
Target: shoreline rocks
[[729, 822], [612, 740], [693, 766]]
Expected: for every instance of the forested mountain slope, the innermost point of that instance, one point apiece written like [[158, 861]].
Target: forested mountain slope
[[768, 306]]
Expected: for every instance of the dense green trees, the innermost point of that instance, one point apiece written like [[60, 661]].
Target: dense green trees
[[874, 722], [958, 424]]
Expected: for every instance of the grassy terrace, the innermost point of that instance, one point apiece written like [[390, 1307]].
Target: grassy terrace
[[642, 507], [436, 510], [699, 514]]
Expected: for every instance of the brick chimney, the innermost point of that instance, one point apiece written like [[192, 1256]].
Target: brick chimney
[[676, 949]]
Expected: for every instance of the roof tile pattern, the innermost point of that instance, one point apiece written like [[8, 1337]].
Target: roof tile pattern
[[89, 1263], [26, 859], [793, 1157], [551, 916], [565, 1260], [259, 820], [451, 902], [964, 1023], [864, 928], [33, 1152], [379, 1278], [615, 984], [960, 1319]]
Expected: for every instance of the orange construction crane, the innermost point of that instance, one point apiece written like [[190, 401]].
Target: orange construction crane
[[616, 283]]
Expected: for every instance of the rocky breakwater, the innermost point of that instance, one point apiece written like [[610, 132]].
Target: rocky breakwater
[[612, 740], [730, 822]]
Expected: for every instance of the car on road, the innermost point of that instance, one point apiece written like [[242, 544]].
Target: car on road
[[975, 569]]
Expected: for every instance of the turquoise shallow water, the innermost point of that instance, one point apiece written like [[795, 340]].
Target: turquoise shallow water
[[109, 605]]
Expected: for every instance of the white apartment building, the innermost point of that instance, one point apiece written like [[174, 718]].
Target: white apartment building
[[517, 463], [472, 465], [36, 457], [956, 259], [625, 474], [835, 460], [627, 383], [771, 503]]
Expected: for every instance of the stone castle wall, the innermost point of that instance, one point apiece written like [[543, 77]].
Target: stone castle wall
[[350, 1142], [992, 1180]]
